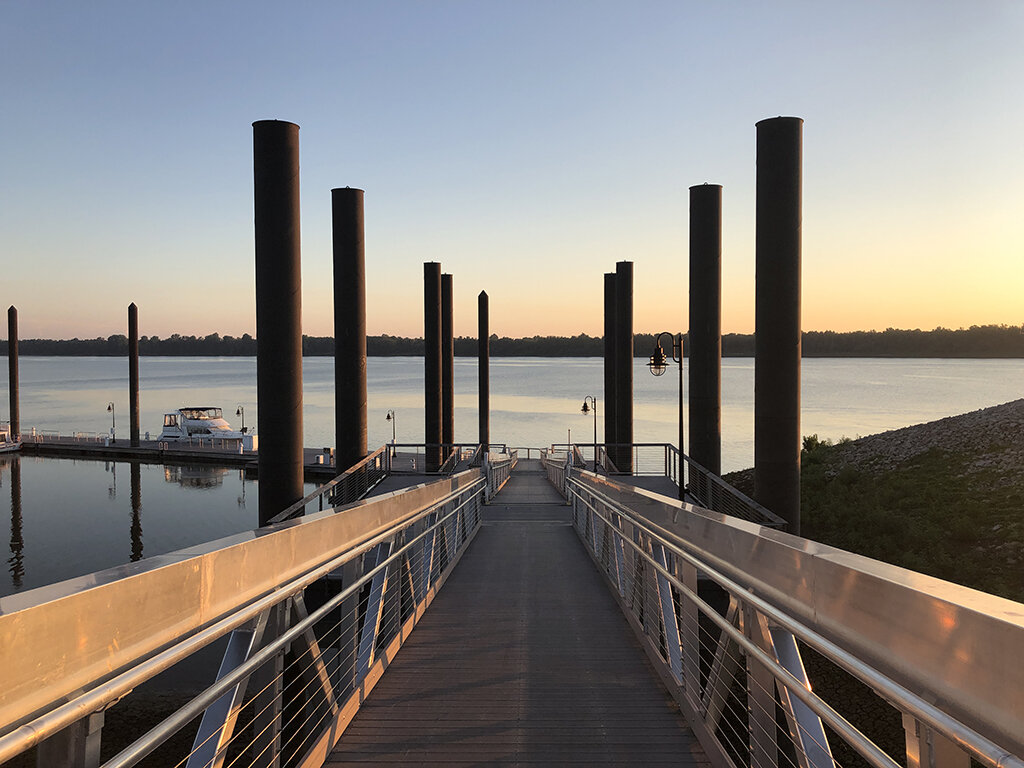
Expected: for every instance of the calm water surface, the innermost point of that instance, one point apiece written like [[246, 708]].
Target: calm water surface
[[74, 517]]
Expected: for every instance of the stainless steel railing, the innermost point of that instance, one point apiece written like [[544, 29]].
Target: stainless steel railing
[[663, 460], [737, 668], [308, 613], [351, 485]]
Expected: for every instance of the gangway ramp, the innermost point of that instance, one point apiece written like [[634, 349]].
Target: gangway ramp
[[523, 658]]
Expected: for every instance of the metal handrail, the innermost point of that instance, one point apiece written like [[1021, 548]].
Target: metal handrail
[[374, 467], [981, 747], [104, 693], [156, 736]]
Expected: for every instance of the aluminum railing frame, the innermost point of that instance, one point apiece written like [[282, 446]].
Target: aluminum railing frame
[[933, 719], [351, 485], [143, 746], [62, 716], [709, 490]]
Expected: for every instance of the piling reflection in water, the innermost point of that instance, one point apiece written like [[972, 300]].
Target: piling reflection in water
[[16, 562], [136, 531]]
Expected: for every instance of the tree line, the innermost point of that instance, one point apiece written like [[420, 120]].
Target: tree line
[[981, 341]]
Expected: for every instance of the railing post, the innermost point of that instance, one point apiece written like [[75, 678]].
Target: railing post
[[77, 746], [928, 749], [761, 725], [268, 703]]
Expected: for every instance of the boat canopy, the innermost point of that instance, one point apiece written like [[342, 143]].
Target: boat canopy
[[202, 413]]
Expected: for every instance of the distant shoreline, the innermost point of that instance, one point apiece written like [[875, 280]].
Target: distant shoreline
[[977, 342]]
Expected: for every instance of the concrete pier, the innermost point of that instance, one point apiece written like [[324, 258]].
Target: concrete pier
[[609, 359], [706, 326], [432, 363], [278, 314], [624, 365], [777, 318], [447, 364], [12, 371], [349, 327], [484, 368], [133, 374]]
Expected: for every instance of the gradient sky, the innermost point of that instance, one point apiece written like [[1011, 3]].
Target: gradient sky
[[526, 146]]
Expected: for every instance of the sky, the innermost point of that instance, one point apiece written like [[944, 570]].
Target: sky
[[527, 146]]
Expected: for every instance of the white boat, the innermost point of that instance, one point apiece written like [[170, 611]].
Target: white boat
[[8, 443], [204, 424]]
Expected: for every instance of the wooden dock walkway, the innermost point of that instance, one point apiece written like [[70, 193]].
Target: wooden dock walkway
[[523, 658]]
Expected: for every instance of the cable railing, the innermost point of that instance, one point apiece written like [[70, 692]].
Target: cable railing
[[499, 469], [309, 614], [662, 460], [351, 485], [740, 621]]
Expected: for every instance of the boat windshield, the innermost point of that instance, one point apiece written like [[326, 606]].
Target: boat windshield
[[202, 414]]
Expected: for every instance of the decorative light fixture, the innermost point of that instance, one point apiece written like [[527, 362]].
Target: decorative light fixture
[[658, 365], [391, 417], [113, 421], [591, 408]]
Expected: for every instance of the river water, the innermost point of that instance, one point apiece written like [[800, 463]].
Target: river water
[[74, 517]]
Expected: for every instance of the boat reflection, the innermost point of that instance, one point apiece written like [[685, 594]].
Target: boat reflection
[[195, 476]]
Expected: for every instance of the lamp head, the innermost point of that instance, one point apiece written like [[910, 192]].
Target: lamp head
[[658, 362], [585, 409], [388, 417]]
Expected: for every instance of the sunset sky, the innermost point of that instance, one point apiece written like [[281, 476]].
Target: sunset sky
[[526, 146]]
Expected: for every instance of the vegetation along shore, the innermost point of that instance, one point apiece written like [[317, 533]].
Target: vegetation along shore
[[978, 341], [945, 498]]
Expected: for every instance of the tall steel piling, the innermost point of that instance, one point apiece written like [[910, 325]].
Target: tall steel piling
[[447, 365], [278, 314], [432, 364], [133, 373], [483, 351], [349, 327], [12, 371], [706, 326], [624, 365], [609, 363], [777, 318]]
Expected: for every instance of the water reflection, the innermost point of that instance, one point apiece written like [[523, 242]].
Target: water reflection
[[136, 531], [195, 476], [16, 562]]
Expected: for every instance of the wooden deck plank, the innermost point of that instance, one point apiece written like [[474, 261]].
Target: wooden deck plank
[[523, 658]]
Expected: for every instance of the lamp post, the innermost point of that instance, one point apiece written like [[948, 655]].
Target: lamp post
[[391, 417], [113, 423], [241, 412], [658, 364], [591, 409]]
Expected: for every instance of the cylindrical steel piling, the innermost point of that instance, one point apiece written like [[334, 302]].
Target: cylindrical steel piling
[[12, 370], [484, 368], [278, 314], [706, 326], [349, 327], [133, 373], [777, 318], [624, 365], [432, 364], [609, 363], [447, 365]]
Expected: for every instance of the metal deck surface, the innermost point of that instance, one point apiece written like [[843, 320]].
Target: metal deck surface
[[523, 658]]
